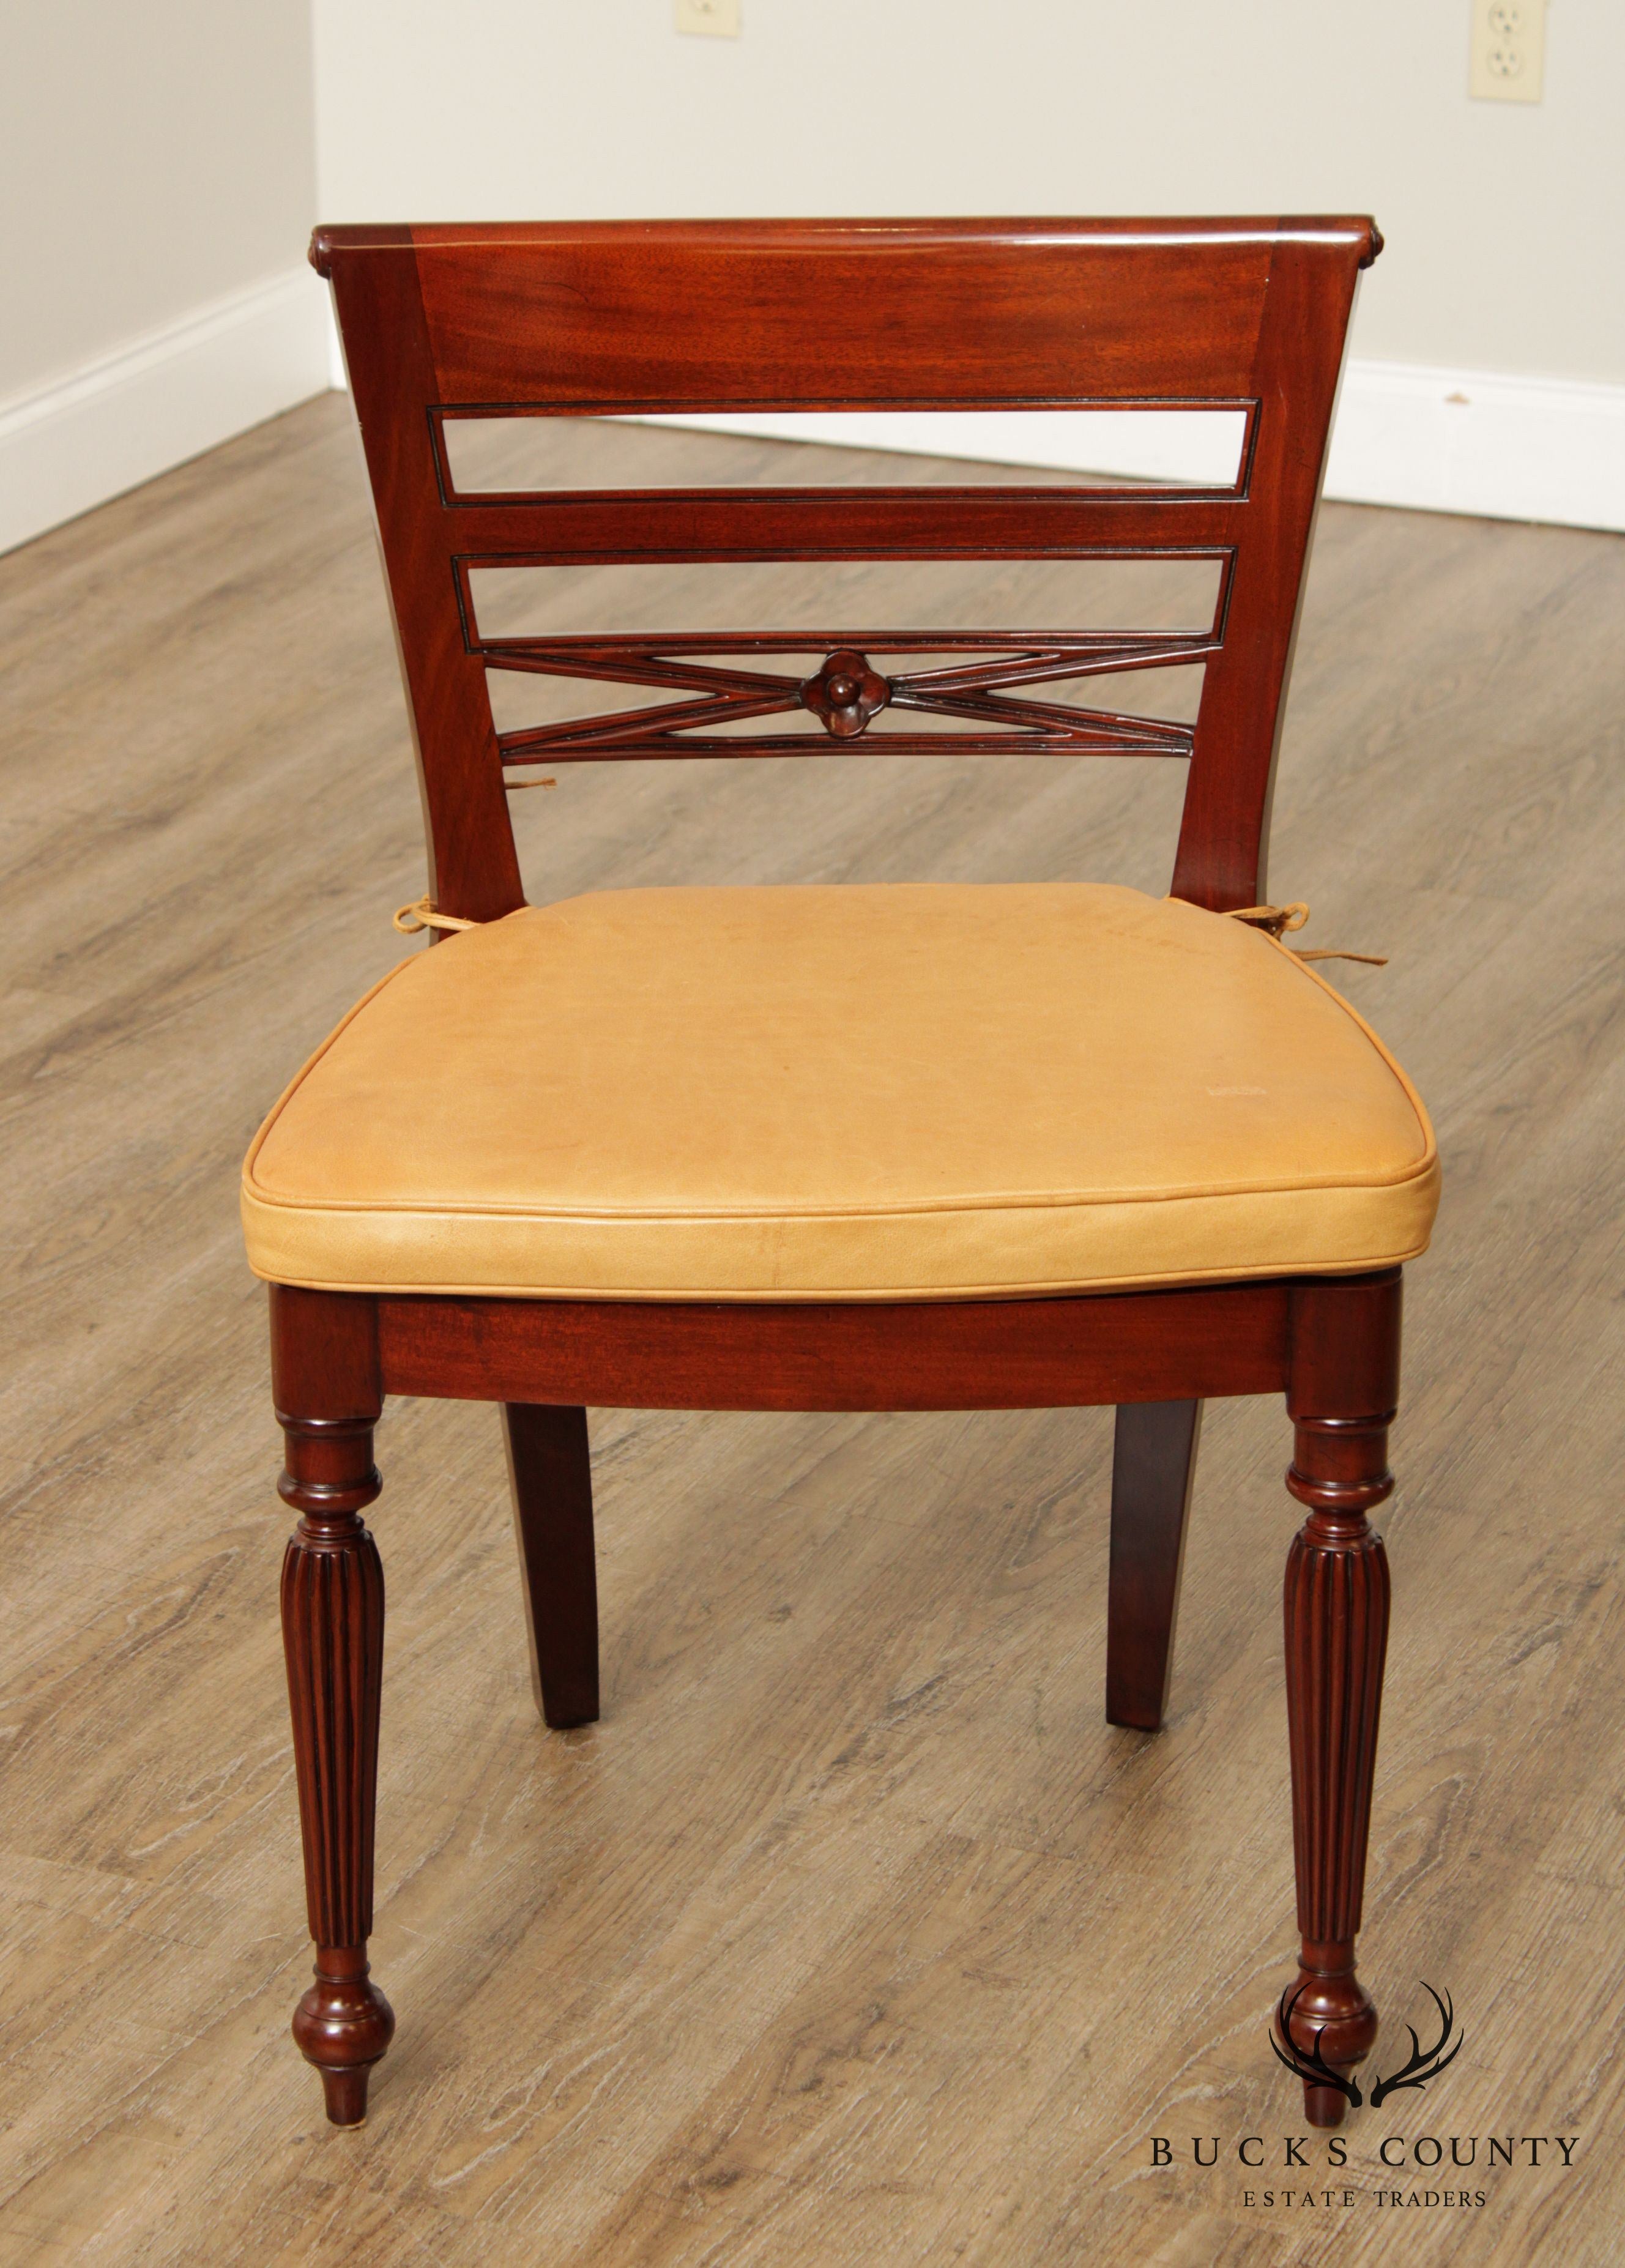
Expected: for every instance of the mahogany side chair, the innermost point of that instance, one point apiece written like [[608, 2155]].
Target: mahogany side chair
[[893, 1147]]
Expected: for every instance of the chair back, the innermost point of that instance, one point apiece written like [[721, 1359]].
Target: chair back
[[446, 324]]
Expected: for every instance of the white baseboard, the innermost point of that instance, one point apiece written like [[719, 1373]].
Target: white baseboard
[[1426, 439], [1429, 440], [1475, 441], [126, 418]]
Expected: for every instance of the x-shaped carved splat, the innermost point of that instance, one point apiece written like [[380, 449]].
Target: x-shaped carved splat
[[981, 697]]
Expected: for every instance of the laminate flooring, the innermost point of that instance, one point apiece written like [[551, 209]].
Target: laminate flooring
[[852, 1933]]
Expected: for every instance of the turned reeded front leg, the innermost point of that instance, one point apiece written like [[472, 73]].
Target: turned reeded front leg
[[333, 1633], [1345, 1363]]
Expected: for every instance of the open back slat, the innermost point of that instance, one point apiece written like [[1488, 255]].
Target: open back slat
[[578, 320]]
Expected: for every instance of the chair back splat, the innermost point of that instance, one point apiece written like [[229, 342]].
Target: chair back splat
[[443, 325]]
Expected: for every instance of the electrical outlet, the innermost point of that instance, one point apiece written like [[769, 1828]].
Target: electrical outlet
[[716, 20], [1508, 58]]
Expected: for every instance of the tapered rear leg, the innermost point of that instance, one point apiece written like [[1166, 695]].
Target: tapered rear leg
[[551, 1470], [1153, 1468]]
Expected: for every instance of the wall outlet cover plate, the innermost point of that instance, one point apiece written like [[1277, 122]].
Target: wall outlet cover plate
[[1507, 59], [714, 20]]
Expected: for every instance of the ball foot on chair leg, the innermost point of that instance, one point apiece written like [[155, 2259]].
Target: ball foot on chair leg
[[1332, 2020], [342, 2025]]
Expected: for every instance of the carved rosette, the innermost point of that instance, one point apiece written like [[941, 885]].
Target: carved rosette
[[845, 694]]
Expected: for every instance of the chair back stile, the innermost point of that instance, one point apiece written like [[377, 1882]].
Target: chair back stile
[[624, 319]]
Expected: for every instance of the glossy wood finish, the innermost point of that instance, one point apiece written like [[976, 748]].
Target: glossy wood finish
[[968, 693], [439, 322], [983, 1354], [853, 1816], [573, 318], [1153, 1472], [325, 1377], [473, 871], [1341, 1394], [1332, 1343], [749, 313], [550, 1475]]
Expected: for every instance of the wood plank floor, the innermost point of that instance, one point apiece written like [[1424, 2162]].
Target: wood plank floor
[[852, 1933]]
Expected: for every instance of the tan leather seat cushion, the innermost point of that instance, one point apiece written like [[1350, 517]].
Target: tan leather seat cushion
[[896, 1092]]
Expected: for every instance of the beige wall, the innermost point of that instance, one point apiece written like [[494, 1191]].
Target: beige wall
[[155, 157], [1504, 221], [161, 162]]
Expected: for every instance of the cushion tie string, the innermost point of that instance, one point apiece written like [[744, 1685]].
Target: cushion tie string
[[1276, 921], [423, 914]]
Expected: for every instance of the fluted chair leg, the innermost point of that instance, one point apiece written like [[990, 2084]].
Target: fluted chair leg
[[332, 1636], [1341, 1397]]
